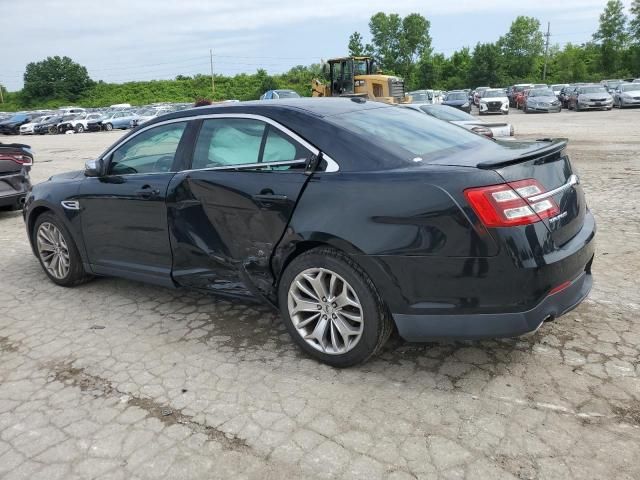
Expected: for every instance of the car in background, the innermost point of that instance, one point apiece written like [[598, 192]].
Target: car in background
[[280, 93], [27, 128], [541, 100], [145, 115], [118, 120], [611, 85], [70, 111], [422, 96], [16, 160], [590, 97], [405, 223], [11, 126], [458, 99], [493, 100], [565, 93], [48, 126], [557, 88], [77, 123], [498, 130], [515, 90], [626, 95]]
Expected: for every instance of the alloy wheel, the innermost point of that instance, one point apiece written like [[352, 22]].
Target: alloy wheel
[[53, 250], [325, 311]]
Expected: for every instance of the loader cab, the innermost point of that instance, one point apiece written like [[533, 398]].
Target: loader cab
[[342, 73]]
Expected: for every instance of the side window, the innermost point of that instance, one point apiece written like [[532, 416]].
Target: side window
[[149, 152], [239, 141]]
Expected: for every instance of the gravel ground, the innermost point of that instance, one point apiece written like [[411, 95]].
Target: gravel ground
[[119, 380]]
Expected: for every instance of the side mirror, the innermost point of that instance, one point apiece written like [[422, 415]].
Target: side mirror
[[92, 168]]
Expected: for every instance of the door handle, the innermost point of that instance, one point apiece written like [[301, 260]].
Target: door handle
[[270, 198], [147, 192]]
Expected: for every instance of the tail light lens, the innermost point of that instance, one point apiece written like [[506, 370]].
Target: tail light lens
[[506, 205], [17, 158], [483, 131]]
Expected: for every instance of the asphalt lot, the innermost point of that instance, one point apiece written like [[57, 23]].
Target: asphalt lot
[[119, 380]]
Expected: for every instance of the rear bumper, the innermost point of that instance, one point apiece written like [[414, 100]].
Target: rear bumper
[[553, 108], [420, 328], [13, 188]]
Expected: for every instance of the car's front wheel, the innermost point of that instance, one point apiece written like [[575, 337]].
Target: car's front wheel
[[332, 309], [57, 251], [108, 127], [79, 128]]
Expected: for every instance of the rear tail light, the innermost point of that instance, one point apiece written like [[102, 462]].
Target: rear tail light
[[483, 131], [17, 158], [506, 205]]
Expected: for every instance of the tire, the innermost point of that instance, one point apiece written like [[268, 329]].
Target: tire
[[108, 127], [75, 273], [320, 265], [52, 130], [79, 128]]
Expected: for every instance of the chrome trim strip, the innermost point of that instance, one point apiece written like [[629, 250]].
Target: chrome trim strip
[[249, 165], [573, 180], [334, 166], [70, 204]]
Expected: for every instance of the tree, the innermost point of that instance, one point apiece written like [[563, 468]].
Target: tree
[[611, 36], [55, 78], [356, 47], [521, 49], [485, 66]]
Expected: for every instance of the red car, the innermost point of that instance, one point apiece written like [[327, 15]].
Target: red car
[[521, 97]]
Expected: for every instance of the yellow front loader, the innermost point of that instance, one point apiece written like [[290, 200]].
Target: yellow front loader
[[355, 77]]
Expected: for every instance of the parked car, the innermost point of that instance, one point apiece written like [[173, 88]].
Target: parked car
[[589, 97], [118, 120], [48, 126], [277, 94], [493, 100], [627, 95], [77, 123], [458, 99], [515, 90], [70, 111], [422, 96], [27, 128], [143, 116], [15, 164], [565, 93], [453, 115], [611, 85], [350, 216], [541, 100], [557, 88], [11, 126]]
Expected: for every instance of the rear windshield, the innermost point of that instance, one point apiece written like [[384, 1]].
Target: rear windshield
[[405, 130]]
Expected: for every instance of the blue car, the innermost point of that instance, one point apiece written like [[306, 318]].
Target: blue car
[[122, 120]]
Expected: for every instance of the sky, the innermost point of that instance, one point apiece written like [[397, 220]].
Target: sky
[[124, 40]]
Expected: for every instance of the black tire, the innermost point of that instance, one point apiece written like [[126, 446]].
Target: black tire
[[377, 324], [79, 128], [76, 274], [108, 127], [52, 130]]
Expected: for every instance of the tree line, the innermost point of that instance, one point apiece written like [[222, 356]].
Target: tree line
[[400, 45]]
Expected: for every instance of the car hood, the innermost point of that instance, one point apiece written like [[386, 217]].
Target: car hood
[[7, 122], [547, 99], [66, 176], [594, 96], [632, 93]]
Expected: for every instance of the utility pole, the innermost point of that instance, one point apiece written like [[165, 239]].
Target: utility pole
[[546, 50], [1, 97], [213, 86]]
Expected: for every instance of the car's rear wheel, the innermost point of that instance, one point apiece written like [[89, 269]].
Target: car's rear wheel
[[332, 309], [108, 127], [57, 251], [79, 128]]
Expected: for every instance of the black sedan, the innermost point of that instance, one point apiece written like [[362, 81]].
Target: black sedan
[[48, 126], [11, 125], [15, 163], [351, 217], [458, 99]]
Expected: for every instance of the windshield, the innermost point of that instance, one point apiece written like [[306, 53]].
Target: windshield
[[405, 130], [593, 89], [18, 118], [557, 87], [421, 96], [448, 114], [493, 94], [630, 87], [542, 92], [287, 94], [457, 96]]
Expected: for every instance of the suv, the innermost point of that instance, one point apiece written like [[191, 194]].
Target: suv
[[493, 100]]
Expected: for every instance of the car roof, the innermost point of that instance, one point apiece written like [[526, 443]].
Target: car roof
[[319, 107]]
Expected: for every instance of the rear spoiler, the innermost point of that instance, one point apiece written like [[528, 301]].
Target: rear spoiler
[[554, 146]]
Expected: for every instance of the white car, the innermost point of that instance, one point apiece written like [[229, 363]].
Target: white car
[[27, 128], [79, 123], [557, 87], [498, 130], [493, 100], [148, 114]]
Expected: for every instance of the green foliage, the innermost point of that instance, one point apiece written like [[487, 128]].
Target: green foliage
[[521, 50], [55, 77], [356, 47], [612, 37], [485, 66], [634, 23]]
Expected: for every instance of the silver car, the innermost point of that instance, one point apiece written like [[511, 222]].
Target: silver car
[[541, 100], [626, 95], [589, 97]]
